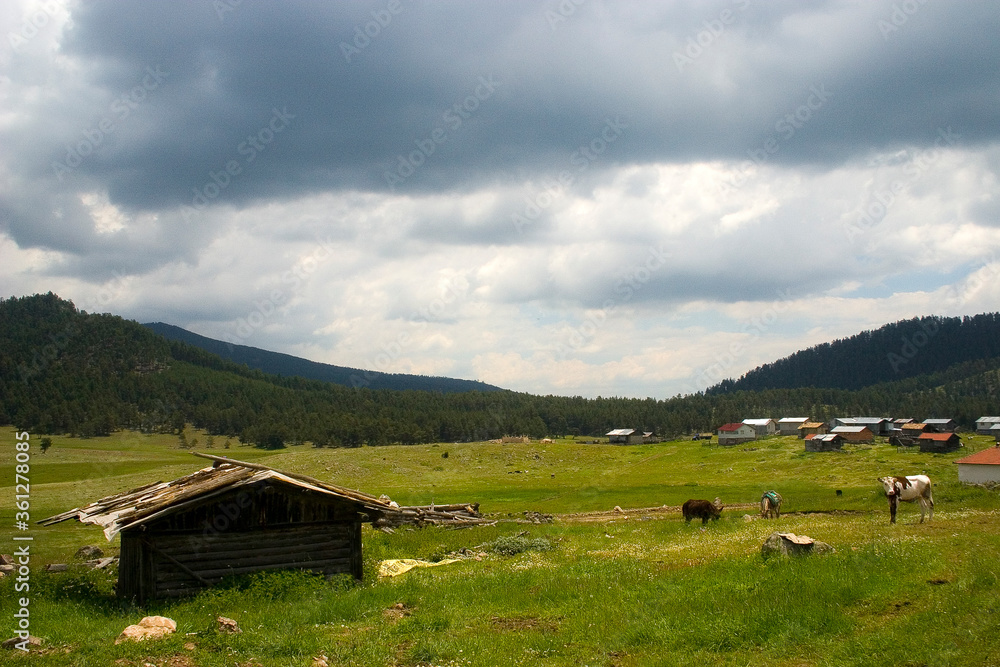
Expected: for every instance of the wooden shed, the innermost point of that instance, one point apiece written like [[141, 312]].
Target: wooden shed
[[812, 428], [855, 434], [824, 442], [939, 442], [231, 518]]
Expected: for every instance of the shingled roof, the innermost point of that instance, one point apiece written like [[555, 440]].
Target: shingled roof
[[133, 508]]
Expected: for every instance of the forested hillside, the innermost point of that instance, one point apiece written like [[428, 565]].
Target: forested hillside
[[63, 371], [904, 349], [287, 365]]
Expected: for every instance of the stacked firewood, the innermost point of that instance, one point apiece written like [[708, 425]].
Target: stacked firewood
[[459, 515]]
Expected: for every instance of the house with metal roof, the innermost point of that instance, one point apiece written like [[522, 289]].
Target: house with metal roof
[[854, 434], [877, 425], [625, 436], [790, 425], [983, 467], [824, 442], [942, 425], [985, 424], [227, 519], [762, 427]]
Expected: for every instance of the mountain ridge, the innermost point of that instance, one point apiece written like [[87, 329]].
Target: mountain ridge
[[287, 365]]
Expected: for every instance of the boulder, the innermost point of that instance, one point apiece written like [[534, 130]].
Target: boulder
[[790, 544], [150, 627]]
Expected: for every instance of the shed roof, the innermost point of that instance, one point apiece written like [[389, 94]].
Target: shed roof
[[938, 421], [988, 420], [621, 431], [793, 420], [133, 508], [989, 456], [813, 425], [938, 437], [850, 429], [758, 422], [825, 437]]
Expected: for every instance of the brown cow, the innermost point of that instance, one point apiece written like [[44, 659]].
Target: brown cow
[[702, 509]]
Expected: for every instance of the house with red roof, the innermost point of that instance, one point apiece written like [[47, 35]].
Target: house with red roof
[[980, 468], [939, 442], [735, 433]]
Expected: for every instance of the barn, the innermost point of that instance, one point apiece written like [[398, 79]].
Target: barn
[[625, 436], [791, 425], [230, 518], [824, 442], [855, 434], [983, 467], [939, 442], [812, 428], [942, 425]]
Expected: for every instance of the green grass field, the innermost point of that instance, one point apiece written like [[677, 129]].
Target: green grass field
[[615, 589]]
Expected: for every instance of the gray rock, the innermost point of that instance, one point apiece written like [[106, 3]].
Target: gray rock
[[790, 544], [89, 552]]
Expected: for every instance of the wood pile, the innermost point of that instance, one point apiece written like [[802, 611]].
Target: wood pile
[[456, 516]]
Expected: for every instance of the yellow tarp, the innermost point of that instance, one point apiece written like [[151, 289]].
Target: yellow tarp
[[392, 568]]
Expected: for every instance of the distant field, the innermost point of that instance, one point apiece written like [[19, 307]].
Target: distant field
[[620, 590]]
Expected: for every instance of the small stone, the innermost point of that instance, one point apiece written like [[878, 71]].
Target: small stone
[[228, 625], [88, 552], [13, 642]]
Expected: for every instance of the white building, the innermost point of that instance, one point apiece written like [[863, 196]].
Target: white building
[[981, 467], [762, 427]]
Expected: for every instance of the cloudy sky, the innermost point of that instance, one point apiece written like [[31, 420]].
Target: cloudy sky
[[568, 197]]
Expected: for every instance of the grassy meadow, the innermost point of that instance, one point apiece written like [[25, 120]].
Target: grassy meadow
[[594, 587]]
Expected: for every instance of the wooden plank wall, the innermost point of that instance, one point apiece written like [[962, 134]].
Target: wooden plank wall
[[182, 563]]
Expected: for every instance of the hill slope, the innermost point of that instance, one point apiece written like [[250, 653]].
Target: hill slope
[[896, 351], [65, 371], [276, 363]]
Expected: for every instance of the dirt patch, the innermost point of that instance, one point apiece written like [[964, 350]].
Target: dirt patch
[[396, 612], [520, 624], [178, 660], [641, 513]]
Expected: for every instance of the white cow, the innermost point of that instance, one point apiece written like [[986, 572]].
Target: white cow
[[908, 489]]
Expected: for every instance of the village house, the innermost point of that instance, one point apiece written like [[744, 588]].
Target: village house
[[980, 468], [763, 427], [824, 442], [625, 436], [938, 442], [916, 429], [995, 432], [231, 518], [877, 425], [790, 425], [812, 428], [942, 425], [984, 425], [735, 433], [854, 434]]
